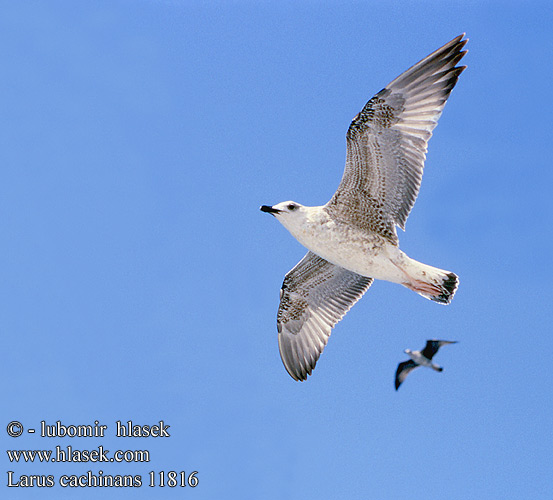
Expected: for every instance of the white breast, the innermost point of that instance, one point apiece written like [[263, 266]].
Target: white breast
[[366, 254]]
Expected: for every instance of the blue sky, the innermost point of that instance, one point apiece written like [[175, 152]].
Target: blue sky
[[139, 281]]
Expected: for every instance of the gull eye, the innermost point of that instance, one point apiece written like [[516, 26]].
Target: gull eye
[[291, 206]]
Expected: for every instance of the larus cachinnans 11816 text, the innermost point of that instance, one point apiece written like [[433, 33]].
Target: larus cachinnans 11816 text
[[352, 239]]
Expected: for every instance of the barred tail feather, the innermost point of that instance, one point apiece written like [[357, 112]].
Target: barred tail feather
[[432, 283], [449, 286]]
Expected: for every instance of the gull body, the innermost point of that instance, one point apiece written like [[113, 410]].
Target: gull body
[[352, 239], [422, 360], [363, 252]]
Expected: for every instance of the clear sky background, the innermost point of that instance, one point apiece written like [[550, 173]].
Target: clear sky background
[[139, 281]]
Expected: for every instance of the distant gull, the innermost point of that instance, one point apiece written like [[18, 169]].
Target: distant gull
[[420, 358], [352, 239]]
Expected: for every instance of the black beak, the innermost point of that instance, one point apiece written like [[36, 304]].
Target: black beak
[[269, 210]]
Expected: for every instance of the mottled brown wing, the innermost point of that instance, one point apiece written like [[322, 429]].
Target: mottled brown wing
[[315, 295], [387, 144]]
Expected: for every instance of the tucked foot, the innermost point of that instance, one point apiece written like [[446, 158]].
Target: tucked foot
[[440, 288]]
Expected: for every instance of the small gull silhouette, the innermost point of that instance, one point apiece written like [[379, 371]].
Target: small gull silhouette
[[420, 358]]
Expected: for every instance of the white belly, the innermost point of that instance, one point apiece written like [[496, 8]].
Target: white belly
[[367, 254], [418, 358]]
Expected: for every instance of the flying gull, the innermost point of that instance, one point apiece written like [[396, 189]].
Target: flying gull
[[352, 239], [420, 358]]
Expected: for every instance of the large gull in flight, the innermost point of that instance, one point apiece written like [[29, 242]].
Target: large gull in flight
[[420, 358], [352, 239]]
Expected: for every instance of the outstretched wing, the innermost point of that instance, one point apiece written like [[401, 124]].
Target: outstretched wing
[[387, 143], [432, 347], [403, 369], [315, 295]]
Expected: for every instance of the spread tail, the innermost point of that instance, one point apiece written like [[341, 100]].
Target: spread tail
[[430, 282]]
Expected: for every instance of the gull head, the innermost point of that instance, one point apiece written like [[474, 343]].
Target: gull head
[[285, 208], [407, 351], [290, 214]]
